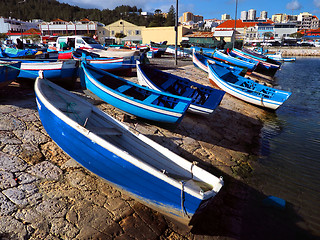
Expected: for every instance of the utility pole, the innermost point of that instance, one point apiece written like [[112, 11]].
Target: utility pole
[[235, 24], [176, 29], [20, 19]]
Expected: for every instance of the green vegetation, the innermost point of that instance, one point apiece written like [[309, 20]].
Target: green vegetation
[[49, 10]]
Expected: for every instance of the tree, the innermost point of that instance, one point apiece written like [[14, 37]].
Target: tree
[[296, 35], [120, 35], [170, 20], [267, 35]]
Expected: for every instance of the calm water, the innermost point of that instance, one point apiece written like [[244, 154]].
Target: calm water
[[290, 162]]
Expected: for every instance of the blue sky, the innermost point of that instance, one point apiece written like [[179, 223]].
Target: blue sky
[[209, 8]]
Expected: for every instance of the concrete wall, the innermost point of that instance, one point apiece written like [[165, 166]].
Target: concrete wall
[[297, 51]]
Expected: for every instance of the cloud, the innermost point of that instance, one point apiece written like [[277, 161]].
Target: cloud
[[316, 3], [293, 5]]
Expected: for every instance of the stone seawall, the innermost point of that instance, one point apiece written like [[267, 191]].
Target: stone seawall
[[297, 51]]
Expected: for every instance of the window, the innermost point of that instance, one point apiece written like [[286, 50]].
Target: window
[[112, 32], [138, 32]]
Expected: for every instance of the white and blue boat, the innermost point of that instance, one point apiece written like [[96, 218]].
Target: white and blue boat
[[132, 98], [55, 70], [119, 65], [203, 62], [127, 160], [9, 70], [204, 98], [246, 89], [266, 67], [235, 61]]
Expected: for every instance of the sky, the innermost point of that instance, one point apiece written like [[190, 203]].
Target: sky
[[209, 8]]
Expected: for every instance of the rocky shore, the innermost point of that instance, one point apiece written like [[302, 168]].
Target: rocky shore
[[44, 194]]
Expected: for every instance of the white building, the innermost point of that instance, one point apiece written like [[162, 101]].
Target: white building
[[252, 14], [59, 27], [263, 15], [244, 15], [16, 25], [225, 16]]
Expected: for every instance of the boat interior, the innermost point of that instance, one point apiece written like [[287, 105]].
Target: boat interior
[[135, 91]]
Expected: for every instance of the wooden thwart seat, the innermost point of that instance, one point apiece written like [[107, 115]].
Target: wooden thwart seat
[[105, 131]]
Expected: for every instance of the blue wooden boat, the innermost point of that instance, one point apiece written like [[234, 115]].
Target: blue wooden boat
[[203, 62], [204, 99], [235, 61], [119, 65], [132, 98], [205, 51], [9, 71], [127, 160], [9, 52], [265, 68], [246, 89]]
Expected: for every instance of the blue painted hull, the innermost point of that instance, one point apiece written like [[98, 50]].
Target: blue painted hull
[[8, 72], [53, 70], [204, 99], [127, 103], [251, 66], [112, 163]]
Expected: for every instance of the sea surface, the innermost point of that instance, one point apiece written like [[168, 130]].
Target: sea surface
[[289, 166]]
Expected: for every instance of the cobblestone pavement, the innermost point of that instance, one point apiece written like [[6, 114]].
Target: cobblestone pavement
[[44, 194]]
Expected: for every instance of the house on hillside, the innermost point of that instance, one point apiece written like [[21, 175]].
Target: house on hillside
[[132, 32], [60, 27]]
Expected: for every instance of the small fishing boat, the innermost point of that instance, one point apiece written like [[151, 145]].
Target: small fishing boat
[[204, 99], [181, 52], [264, 68], [278, 57], [10, 52], [126, 159], [56, 70], [235, 61], [9, 71], [246, 89], [132, 98], [119, 65], [114, 52], [203, 62]]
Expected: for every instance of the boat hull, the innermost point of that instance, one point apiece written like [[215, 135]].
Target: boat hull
[[8, 72], [245, 94], [130, 105], [115, 166], [192, 90]]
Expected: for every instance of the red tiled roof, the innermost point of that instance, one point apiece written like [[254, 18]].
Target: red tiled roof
[[58, 20], [239, 24], [85, 20]]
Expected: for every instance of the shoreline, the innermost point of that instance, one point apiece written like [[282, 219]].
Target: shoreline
[[46, 194], [296, 51]]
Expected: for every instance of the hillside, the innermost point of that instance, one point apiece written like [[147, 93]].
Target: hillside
[[48, 10]]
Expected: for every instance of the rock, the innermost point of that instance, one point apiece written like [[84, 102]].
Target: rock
[[13, 228], [45, 170], [6, 207], [6, 180], [51, 208], [63, 229], [11, 163], [9, 123]]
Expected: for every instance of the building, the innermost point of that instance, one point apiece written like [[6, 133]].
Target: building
[[315, 23], [263, 15], [252, 14], [245, 29], [17, 26], [132, 32], [282, 30], [225, 17], [32, 35], [188, 17], [244, 15], [60, 27], [160, 34]]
